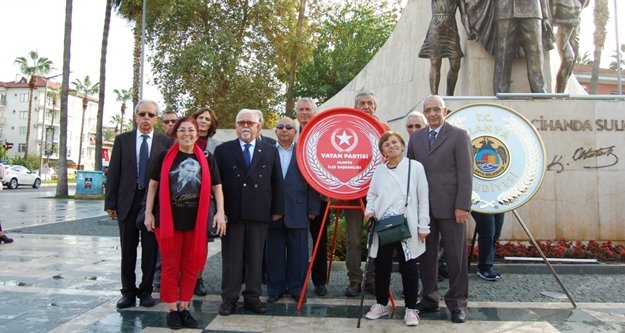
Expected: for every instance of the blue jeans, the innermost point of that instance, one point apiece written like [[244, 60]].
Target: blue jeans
[[488, 227]]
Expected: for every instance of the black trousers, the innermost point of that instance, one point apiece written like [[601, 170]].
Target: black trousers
[[130, 236], [409, 275], [320, 266], [242, 256]]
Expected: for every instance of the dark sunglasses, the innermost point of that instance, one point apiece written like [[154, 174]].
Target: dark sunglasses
[[142, 114], [414, 126], [288, 127], [172, 121], [247, 123]]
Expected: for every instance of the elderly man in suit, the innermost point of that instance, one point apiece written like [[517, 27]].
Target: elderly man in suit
[[125, 189], [253, 195], [305, 110], [445, 152], [287, 240]]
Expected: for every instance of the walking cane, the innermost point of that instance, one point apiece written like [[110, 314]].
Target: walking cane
[[370, 225]]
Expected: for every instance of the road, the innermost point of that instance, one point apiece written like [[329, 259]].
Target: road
[[26, 207]]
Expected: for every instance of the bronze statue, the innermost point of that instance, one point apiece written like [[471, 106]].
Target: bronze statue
[[510, 29], [565, 16], [442, 41]]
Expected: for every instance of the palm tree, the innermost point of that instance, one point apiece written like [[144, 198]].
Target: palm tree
[[61, 184], [601, 15], [618, 59], [87, 89], [585, 59], [123, 96], [53, 94], [32, 66], [116, 121], [108, 134], [101, 96], [290, 99]]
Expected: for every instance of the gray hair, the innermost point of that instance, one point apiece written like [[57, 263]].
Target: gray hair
[[365, 93], [257, 113], [307, 99], [148, 101], [416, 114]]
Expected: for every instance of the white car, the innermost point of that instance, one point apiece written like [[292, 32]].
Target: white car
[[17, 175]]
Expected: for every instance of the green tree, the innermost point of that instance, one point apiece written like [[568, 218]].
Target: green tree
[[221, 54], [32, 66], [617, 57], [123, 96], [108, 135], [61, 184], [585, 59], [345, 41], [86, 88], [601, 16]]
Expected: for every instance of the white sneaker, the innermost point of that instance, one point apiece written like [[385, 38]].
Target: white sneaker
[[411, 318], [377, 311]]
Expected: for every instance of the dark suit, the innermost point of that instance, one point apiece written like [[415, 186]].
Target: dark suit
[[287, 239], [251, 196], [449, 172], [123, 195]]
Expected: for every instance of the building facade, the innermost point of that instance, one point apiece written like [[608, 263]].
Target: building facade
[[45, 122]]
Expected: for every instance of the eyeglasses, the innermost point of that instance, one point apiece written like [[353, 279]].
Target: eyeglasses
[[142, 114], [247, 123], [288, 127], [414, 126], [171, 121], [434, 109], [189, 130]]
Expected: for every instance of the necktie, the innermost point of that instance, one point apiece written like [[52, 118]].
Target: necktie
[[432, 138], [143, 162], [246, 155]]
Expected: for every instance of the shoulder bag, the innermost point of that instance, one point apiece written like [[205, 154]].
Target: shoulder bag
[[394, 228]]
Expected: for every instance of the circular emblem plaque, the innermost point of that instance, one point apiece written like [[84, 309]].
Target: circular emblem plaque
[[508, 156], [337, 152]]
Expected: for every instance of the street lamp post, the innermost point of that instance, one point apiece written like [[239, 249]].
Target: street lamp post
[[43, 122]]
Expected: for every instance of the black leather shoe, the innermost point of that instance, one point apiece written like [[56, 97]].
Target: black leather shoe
[[187, 320], [321, 290], [127, 301], [458, 316], [273, 299], [353, 290], [173, 320], [255, 306], [6, 239], [227, 307], [199, 288], [424, 308], [146, 301]]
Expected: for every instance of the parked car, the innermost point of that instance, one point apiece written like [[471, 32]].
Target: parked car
[[17, 175]]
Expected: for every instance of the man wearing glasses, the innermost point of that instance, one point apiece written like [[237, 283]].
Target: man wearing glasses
[[168, 121], [125, 189], [253, 196], [415, 120], [445, 152]]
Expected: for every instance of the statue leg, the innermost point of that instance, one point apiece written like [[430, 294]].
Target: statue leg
[[452, 75], [435, 75], [504, 54], [532, 44], [567, 57]]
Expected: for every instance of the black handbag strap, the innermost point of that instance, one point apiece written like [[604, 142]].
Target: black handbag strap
[[407, 187]]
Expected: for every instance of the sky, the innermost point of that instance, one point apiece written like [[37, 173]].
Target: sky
[[38, 25]]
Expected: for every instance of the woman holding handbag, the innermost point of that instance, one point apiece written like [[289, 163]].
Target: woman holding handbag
[[398, 188]]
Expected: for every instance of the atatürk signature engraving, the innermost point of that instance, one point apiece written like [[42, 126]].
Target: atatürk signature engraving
[[605, 158]]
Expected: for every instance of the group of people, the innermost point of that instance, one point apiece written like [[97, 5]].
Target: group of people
[[169, 193]]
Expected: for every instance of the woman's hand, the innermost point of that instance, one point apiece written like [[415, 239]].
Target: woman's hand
[[149, 221], [220, 222], [422, 237], [369, 215]]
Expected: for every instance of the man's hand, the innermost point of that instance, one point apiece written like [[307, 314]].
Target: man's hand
[[276, 217], [462, 216], [112, 213], [149, 221]]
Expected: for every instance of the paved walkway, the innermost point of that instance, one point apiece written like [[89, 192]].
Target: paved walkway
[[64, 277]]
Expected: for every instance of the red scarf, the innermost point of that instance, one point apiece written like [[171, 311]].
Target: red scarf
[[165, 233]]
